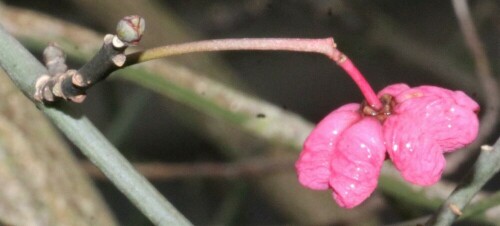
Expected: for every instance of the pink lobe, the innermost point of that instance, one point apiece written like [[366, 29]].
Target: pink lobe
[[394, 89], [413, 152], [427, 121], [356, 162], [313, 165], [450, 116]]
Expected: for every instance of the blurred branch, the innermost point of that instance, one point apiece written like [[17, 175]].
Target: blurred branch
[[24, 69], [123, 121], [486, 78], [230, 207], [41, 183], [484, 169], [168, 171], [471, 212], [481, 206], [432, 197]]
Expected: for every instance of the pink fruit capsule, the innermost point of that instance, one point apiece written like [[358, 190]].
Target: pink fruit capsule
[[344, 153], [427, 121]]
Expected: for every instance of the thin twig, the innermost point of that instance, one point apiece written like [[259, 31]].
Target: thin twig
[[169, 171], [324, 46]]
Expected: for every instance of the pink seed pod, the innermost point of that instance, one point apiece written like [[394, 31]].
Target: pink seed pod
[[313, 165], [356, 162], [425, 122], [345, 153]]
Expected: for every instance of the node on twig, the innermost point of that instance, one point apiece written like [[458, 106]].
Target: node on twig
[[62, 83]]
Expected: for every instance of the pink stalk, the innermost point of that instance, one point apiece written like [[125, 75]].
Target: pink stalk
[[324, 46], [360, 80]]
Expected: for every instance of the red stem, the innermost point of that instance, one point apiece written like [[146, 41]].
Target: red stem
[[363, 85], [324, 46]]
